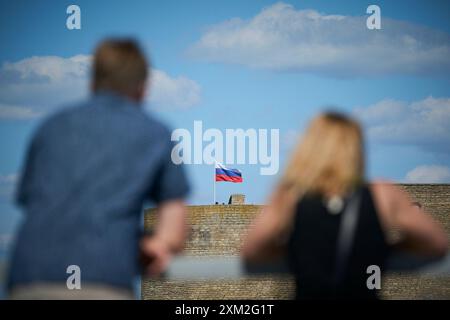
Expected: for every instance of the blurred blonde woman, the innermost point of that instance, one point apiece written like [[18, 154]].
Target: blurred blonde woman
[[331, 222]]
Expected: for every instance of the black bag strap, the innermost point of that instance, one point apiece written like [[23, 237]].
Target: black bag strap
[[346, 234]]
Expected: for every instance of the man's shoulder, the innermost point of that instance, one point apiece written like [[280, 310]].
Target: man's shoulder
[[155, 125], [72, 116], [61, 117], [56, 117]]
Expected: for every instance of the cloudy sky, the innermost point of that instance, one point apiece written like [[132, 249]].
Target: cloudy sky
[[242, 64]]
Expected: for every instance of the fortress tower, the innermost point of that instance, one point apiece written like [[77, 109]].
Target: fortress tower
[[219, 230]]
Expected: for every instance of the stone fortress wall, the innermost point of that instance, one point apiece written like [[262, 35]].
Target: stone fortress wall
[[219, 230]]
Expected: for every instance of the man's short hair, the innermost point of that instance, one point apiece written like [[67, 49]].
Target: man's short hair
[[120, 66]]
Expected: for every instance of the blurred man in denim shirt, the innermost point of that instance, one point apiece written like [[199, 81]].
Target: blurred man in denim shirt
[[88, 171]]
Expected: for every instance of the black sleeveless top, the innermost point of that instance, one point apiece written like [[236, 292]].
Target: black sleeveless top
[[313, 244]]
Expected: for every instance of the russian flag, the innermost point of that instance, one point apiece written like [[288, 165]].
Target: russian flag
[[225, 174]]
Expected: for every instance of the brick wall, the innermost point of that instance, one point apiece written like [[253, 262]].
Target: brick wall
[[219, 230]]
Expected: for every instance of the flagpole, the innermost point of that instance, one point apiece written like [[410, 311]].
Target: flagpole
[[214, 182]]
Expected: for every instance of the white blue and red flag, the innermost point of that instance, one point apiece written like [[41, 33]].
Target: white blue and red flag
[[225, 174]]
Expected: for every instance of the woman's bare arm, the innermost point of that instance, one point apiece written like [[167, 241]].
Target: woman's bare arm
[[266, 237], [419, 232]]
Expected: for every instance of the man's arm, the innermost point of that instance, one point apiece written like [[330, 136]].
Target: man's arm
[[171, 225], [169, 189], [168, 239]]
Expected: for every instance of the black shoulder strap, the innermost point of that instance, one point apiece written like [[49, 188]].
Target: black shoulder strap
[[346, 234]]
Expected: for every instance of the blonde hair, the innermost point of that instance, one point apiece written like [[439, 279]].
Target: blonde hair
[[119, 65], [329, 160]]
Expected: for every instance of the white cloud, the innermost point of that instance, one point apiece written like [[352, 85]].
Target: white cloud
[[5, 241], [36, 85], [41, 69], [172, 93], [424, 123], [428, 174], [7, 185], [8, 178], [18, 112], [282, 38], [32, 87]]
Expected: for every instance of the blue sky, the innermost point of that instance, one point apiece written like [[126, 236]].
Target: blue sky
[[242, 64]]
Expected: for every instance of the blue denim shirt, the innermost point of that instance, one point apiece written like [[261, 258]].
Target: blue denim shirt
[[88, 171]]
